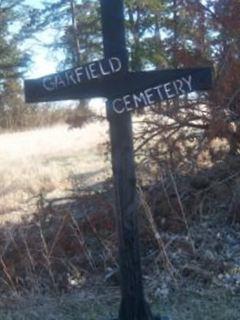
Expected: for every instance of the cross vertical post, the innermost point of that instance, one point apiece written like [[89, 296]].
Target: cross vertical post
[[133, 305], [125, 91]]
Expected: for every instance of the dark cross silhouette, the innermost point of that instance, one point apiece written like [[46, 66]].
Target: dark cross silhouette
[[125, 91]]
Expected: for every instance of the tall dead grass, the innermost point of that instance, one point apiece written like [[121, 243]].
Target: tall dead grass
[[48, 161]]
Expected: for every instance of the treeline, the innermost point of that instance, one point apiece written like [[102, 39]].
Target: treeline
[[15, 114], [160, 34], [27, 117], [22, 117]]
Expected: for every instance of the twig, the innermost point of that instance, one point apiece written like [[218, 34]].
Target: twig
[[157, 235], [82, 243], [182, 210], [8, 275], [47, 256]]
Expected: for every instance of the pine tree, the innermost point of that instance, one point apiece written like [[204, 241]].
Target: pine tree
[[13, 62]]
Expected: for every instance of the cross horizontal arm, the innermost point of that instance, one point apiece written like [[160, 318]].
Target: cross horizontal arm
[[114, 86]]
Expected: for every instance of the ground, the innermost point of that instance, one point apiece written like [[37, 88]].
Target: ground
[[52, 163], [180, 305]]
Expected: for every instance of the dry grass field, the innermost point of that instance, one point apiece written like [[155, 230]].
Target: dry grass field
[[49, 161]]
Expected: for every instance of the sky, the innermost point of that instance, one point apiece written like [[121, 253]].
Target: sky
[[43, 61]]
